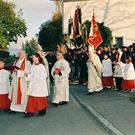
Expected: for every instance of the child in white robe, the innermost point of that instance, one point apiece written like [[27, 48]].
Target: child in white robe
[[107, 73], [4, 86], [37, 91], [128, 82]]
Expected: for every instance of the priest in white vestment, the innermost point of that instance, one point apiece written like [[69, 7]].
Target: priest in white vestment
[[94, 72], [60, 72], [19, 85]]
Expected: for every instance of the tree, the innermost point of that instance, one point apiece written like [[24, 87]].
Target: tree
[[12, 25], [30, 47], [50, 33], [106, 34]]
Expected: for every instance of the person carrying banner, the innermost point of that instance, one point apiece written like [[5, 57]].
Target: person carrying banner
[[94, 63]]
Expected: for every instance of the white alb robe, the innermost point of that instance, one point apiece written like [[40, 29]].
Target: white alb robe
[[94, 74], [48, 75], [119, 68], [61, 83], [38, 84], [4, 81], [24, 87], [129, 72], [107, 68]]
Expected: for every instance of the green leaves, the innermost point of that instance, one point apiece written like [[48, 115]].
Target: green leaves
[[30, 47], [106, 34], [50, 33], [12, 25]]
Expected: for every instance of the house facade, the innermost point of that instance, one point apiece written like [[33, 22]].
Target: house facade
[[118, 15]]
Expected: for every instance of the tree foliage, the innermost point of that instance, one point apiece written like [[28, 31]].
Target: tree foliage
[[50, 33], [4, 54], [12, 25], [30, 47]]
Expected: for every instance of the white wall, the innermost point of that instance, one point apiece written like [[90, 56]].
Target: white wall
[[119, 15]]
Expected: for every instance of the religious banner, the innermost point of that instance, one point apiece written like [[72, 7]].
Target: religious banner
[[95, 38], [77, 22]]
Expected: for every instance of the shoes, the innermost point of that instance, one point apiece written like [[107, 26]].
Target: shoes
[[119, 90], [115, 89], [6, 110], [42, 113], [90, 93], [28, 115], [126, 91], [55, 104], [98, 91], [12, 112], [63, 103]]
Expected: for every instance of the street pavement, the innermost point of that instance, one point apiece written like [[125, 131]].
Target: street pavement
[[113, 106], [70, 119]]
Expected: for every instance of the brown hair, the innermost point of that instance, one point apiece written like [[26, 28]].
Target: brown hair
[[129, 58], [2, 60], [39, 58]]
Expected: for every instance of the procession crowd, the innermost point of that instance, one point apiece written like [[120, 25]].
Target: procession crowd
[[30, 84], [29, 89], [114, 63]]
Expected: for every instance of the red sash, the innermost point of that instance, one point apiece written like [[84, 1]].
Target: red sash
[[117, 57], [19, 93]]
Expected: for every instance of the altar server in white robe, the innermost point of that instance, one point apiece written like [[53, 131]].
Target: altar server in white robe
[[45, 63], [37, 91], [4, 86], [119, 68], [128, 82], [107, 73], [94, 72], [19, 85], [60, 72]]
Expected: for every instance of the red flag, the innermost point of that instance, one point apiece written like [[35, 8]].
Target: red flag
[[95, 38]]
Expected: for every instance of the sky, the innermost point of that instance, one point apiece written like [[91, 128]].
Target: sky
[[35, 12]]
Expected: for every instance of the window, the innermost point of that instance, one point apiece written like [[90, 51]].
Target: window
[[119, 41]]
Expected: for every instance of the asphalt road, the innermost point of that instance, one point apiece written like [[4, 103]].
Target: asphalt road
[[68, 119]]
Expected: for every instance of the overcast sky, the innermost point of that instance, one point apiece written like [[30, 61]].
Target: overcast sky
[[35, 12]]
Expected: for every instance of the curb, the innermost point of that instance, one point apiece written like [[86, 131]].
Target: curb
[[111, 129]]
